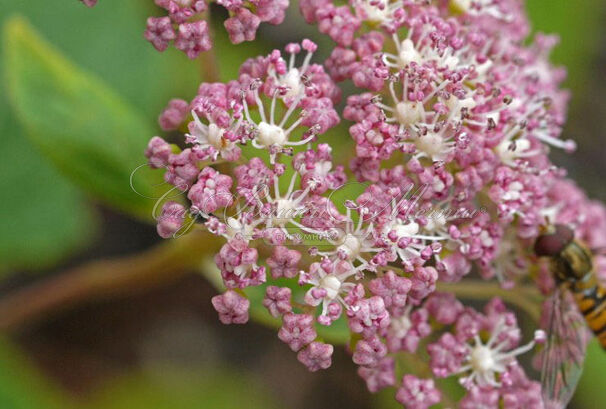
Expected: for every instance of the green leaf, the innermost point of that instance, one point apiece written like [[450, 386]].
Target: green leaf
[[579, 29], [179, 389], [108, 40], [88, 132], [590, 392], [45, 218], [21, 387]]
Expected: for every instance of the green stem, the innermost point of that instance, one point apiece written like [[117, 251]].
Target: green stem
[[106, 278], [209, 64], [525, 297]]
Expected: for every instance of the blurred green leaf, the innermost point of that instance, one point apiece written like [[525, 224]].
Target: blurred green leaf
[[590, 393], [45, 218], [21, 387], [579, 28], [89, 133], [108, 40], [49, 218], [179, 389]]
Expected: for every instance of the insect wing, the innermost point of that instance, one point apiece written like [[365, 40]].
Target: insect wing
[[564, 353]]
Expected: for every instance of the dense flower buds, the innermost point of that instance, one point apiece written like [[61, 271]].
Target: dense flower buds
[[185, 23], [451, 126]]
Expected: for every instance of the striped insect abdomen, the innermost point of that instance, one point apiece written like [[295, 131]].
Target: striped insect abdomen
[[591, 299], [572, 265], [588, 293]]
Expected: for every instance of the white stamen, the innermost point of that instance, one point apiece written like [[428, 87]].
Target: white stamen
[[332, 285], [270, 135], [408, 54], [409, 113]]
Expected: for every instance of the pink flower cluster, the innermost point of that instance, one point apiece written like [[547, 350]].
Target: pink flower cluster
[[451, 126], [185, 24]]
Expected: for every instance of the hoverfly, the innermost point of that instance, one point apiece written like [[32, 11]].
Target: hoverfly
[[562, 360]]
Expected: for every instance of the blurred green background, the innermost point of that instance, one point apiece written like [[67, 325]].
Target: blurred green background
[[94, 80]]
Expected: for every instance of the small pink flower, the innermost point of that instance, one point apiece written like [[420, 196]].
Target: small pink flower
[[454, 267], [182, 170], [242, 26], [406, 330], [369, 351], [297, 330], [272, 11], [180, 11], [283, 262], [232, 307], [423, 282], [418, 393], [193, 38], [368, 316], [171, 219], [238, 264], [252, 176], [374, 140], [379, 376], [446, 355], [480, 397], [211, 192], [315, 166], [158, 152], [338, 23], [316, 356], [392, 289], [368, 44], [519, 392], [160, 32], [365, 169], [277, 300], [341, 63], [320, 114], [308, 8], [173, 115], [444, 307]]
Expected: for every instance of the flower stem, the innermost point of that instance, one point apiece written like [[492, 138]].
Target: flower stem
[[105, 278], [525, 297], [209, 67], [209, 64]]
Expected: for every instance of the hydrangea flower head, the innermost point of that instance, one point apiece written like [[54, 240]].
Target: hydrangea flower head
[[451, 124]]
